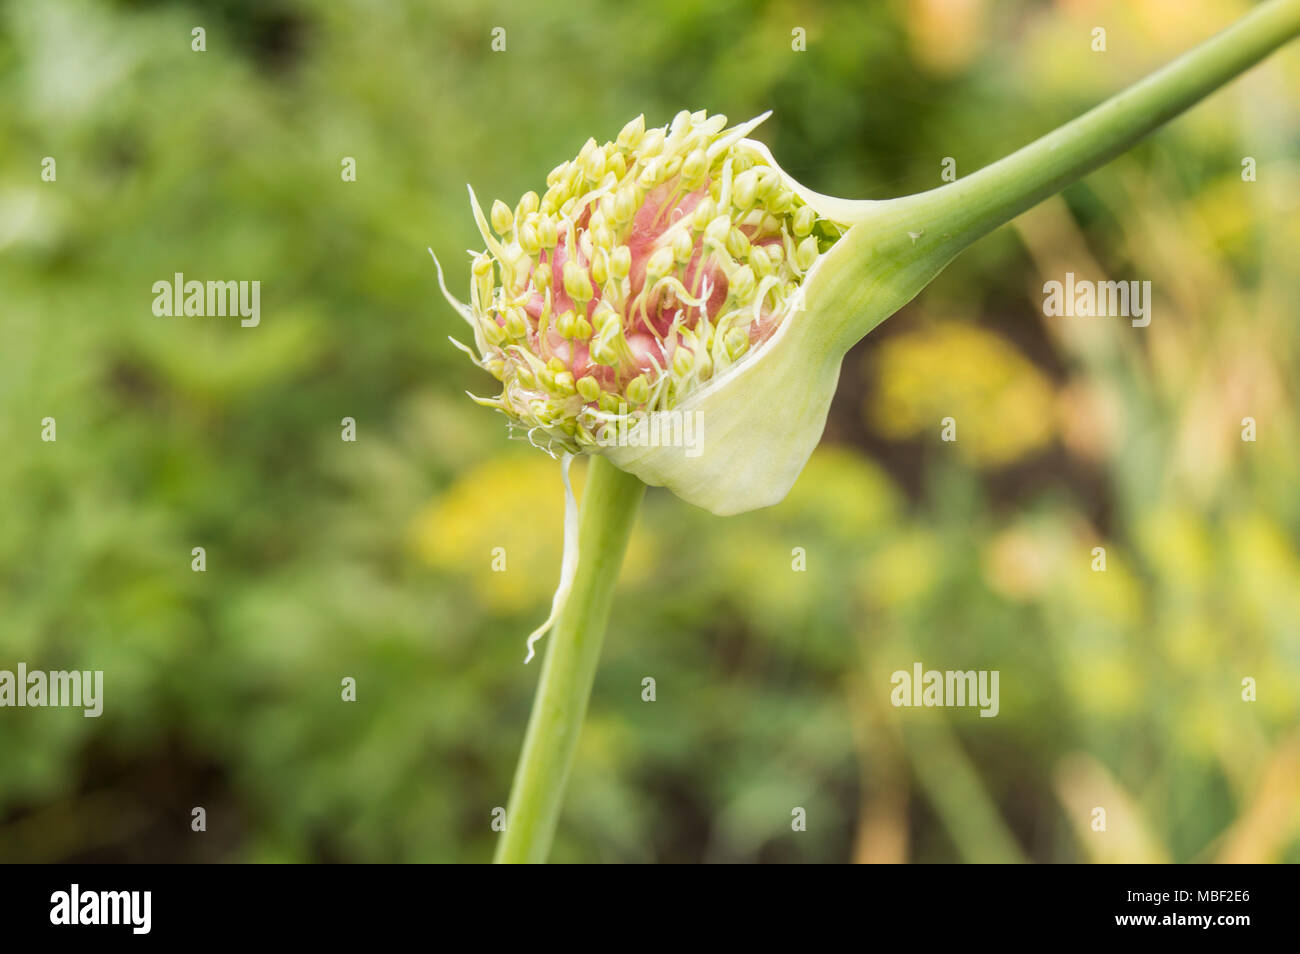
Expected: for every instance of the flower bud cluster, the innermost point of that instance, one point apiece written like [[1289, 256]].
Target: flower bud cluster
[[648, 266]]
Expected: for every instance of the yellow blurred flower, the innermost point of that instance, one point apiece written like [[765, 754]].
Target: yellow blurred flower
[[1057, 562], [946, 35], [1114, 596], [1019, 564], [1104, 680], [1265, 572], [901, 572], [1177, 545], [1003, 405], [1091, 419]]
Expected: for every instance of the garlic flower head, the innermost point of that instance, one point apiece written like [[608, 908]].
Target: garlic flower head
[[648, 267]]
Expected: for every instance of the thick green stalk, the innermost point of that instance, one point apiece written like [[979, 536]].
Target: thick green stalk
[[907, 241], [968, 208], [609, 504]]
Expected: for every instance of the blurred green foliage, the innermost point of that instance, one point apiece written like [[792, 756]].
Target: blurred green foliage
[[328, 559]]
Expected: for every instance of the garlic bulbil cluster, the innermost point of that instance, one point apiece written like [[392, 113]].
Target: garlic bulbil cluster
[[649, 266]]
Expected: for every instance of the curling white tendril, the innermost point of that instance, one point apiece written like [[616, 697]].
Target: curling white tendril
[[569, 563]]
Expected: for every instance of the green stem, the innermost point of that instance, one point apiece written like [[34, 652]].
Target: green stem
[[911, 239], [609, 504], [971, 207]]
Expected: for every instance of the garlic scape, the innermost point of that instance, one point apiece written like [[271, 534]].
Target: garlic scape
[[678, 277], [651, 271]]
